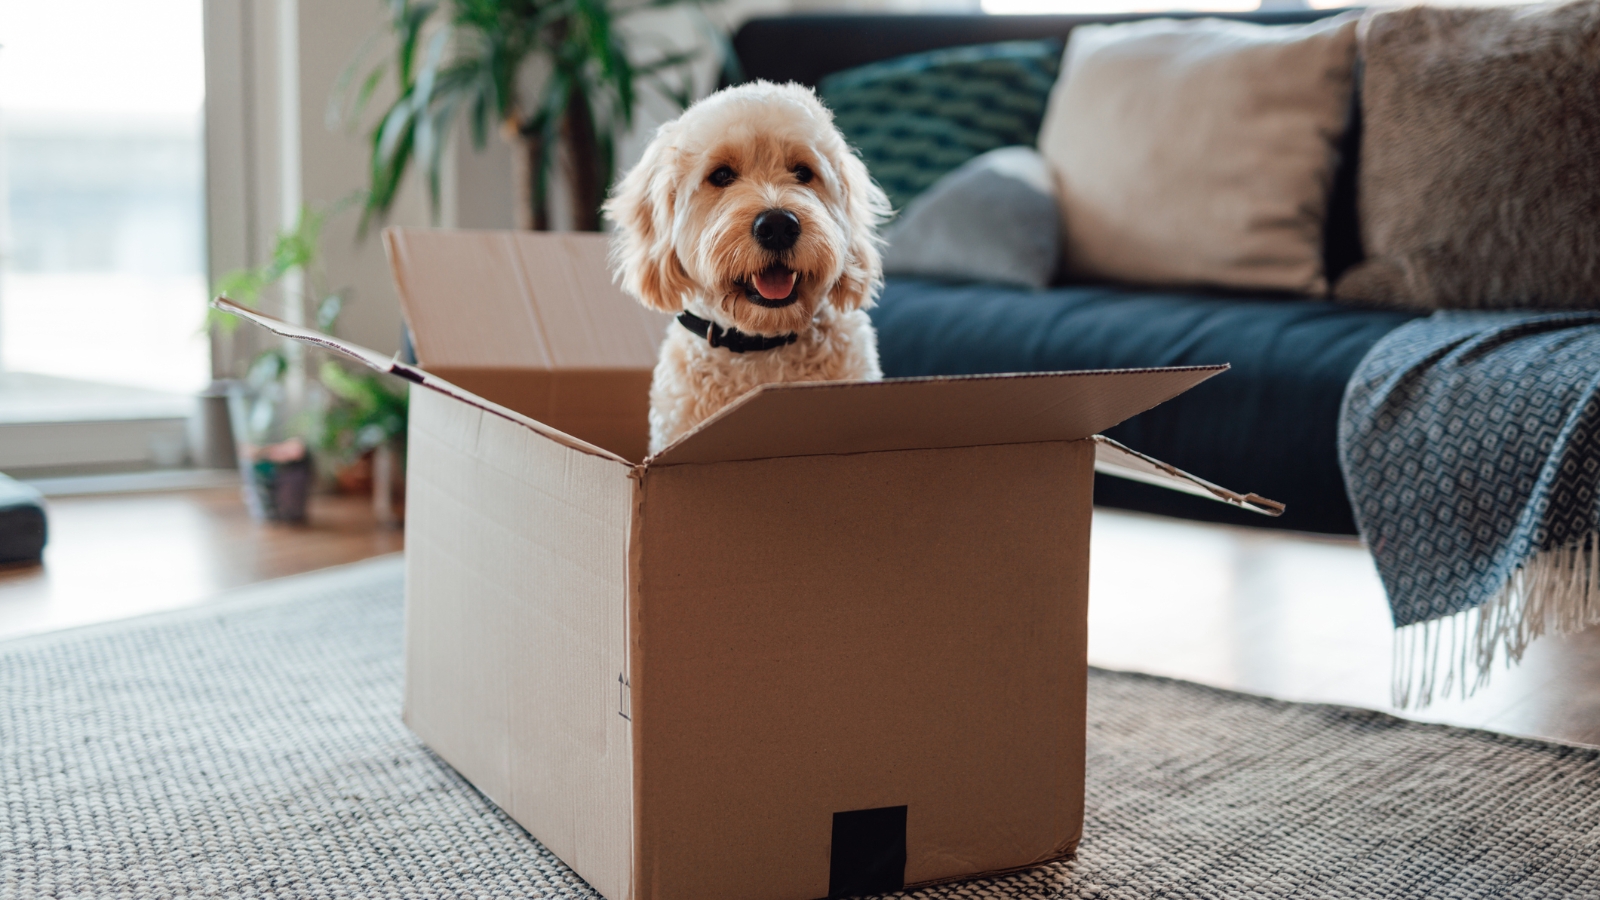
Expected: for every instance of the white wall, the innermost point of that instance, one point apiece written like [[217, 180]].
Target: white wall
[[334, 164], [886, 5], [271, 66]]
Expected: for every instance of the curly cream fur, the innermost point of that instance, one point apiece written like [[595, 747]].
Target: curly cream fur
[[682, 243]]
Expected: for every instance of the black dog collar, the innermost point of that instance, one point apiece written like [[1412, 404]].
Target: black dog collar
[[732, 338]]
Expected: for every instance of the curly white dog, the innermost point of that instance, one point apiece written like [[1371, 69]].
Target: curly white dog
[[752, 218]]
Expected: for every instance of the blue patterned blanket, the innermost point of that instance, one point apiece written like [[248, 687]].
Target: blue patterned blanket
[[1470, 443]]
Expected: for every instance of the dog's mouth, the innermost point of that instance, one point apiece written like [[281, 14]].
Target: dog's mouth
[[773, 288]]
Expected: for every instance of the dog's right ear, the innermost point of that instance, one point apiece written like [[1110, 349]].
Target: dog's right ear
[[642, 205]]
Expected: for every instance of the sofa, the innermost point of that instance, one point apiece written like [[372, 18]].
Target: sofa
[[1268, 425]]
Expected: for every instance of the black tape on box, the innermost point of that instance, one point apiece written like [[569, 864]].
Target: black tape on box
[[869, 852]]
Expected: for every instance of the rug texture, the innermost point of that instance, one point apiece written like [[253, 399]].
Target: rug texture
[[253, 748]]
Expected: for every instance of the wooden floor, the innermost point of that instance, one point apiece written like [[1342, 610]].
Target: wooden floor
[[1290, 616], [118, 555], [1300, 618]]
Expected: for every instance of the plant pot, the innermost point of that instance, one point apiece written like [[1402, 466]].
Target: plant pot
[[276, 490], [378, 473], [274, 466], [389, 484], [355, 477], [211, 429]]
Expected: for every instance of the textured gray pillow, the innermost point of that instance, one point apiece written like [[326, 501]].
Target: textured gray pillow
[[1480, 158], [994, 219]]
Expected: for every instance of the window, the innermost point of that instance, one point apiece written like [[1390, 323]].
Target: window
[[103, 272], [102, 263]]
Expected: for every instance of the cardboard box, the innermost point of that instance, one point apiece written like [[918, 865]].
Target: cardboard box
[[831, 642]]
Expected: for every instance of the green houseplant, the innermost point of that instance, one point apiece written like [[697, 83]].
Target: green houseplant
[[281, 409], [479, 62]]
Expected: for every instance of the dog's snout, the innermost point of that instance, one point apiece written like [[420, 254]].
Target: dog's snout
[[776, 229]]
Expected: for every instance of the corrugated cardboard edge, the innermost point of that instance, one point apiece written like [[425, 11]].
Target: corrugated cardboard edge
[[632, 663], [389, 365], [1056, 490], [1112, 458], [750, 395]]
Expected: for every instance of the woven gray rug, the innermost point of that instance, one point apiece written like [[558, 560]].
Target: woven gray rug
[[253, 748]]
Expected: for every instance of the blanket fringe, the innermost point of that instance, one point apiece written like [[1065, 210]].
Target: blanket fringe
[[1555, 591]]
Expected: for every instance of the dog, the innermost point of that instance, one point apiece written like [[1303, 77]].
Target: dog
[[751, 218]]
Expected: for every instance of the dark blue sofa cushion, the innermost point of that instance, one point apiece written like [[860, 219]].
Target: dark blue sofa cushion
[[1268, 425]]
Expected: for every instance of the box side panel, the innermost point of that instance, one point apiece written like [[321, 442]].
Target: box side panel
[[591, 322], [609, 408], [829, 634], [516, 612], [465, 297]]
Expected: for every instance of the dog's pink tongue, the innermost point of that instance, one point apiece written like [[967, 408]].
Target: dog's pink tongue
[[775, 283]]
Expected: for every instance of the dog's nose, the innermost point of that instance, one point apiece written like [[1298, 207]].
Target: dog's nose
[[776, 229]]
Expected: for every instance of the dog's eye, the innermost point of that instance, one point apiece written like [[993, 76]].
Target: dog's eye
[[803, 173], [722, 176]]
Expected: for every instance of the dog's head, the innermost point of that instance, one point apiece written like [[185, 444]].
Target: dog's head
[[753, 204]]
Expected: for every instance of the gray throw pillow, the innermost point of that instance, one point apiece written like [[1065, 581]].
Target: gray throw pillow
[[994, 219], [1480, 158]]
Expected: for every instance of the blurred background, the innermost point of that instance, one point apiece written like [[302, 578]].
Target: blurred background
[[149, 149]]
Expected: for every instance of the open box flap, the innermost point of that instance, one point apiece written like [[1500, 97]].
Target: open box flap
[[818, 418], [1112, 458], [518, 299], [392, 366]]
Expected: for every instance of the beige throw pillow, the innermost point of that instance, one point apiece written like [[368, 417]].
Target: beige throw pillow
[[1479, 184], [1199, 152]]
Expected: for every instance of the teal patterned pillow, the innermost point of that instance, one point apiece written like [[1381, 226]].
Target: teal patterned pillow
[[918, 117]]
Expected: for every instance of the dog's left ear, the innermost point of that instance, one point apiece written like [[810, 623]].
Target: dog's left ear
[[865, 208]]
